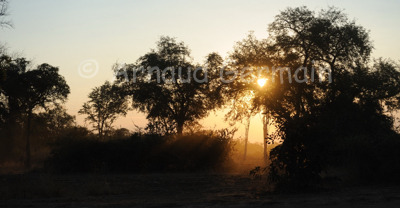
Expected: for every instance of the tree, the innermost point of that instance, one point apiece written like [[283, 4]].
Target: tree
[[3, 23], [3, 13], [168, 87], [248, 57], [53, 123], [309, 115], [312, 114], [301, 38], [105, 104], [25, 90]]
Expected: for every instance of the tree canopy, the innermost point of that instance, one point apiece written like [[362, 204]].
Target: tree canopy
[[169, 88], [105, 104], [351, 98], [24, 90]]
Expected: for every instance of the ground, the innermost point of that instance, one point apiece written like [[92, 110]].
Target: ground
[[175, 190]]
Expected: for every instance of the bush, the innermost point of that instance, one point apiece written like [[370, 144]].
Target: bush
[[368, 159], [360, 147], [356, 159], [143, 153]]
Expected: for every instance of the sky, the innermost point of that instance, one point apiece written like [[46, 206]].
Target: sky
[[81, 36]]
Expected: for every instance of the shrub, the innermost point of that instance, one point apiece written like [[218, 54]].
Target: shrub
[[368, 159], [143, 153]]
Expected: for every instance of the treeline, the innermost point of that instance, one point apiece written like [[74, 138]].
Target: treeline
[[340, 120]]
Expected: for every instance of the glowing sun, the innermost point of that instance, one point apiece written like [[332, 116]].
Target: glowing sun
[[261, 82]]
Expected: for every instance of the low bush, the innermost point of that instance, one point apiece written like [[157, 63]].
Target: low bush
[[357, 159], [367, 159], [205, 150]]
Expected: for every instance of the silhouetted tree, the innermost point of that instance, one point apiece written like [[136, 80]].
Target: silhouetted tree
[[308, 114], [53, 123], [3, 108], [3, 23], [3, 13], [248, 57], [105, 104], [311, 112], [120, 133], [25, 90], [166, 86]]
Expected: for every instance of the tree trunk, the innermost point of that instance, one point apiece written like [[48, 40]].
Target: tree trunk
[[265, 131], [179, 128], [28, 142], [101, 132], [246, 138], [100, 126], [333, 84]]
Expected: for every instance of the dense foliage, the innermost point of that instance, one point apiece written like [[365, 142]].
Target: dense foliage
[[143, 153], [349, 104]]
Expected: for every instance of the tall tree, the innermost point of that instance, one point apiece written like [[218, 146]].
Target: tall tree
[[105, 104], [308, 114], [249, 58], [26, 90], [169, 88]]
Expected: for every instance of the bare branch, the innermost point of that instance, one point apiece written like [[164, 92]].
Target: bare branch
[[4, 21]]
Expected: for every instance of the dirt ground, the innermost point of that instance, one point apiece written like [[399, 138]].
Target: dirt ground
[[175, 190]]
